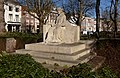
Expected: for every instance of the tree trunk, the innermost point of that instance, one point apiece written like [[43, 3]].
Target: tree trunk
[[80, 15], [97, 18], [40, 27], [115, 17]]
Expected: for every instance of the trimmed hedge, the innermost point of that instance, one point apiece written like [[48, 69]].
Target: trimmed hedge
[[25, 37]]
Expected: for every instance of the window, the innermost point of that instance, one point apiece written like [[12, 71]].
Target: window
[[32, 17], [89, 20], [10, 8], [83, 23], [27, 15], [10, 17], [17, 9], [24, 12], [27, 22], [17, 18], [38, 26], [32, 22]]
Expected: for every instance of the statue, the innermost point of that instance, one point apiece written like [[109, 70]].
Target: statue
[[60, 31], [56, 32]]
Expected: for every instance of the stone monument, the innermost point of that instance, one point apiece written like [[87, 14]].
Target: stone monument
[[61, 44]]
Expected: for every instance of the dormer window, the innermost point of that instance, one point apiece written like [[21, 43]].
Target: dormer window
[[10, 8]]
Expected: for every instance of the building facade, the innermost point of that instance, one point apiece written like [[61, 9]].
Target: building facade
[[29, 23], [12, 16], [88, 25]]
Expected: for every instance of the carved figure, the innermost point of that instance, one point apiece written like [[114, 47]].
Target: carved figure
[[62, 31], [56, 32]]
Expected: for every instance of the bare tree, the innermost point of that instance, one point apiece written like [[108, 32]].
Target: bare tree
[[71, 6], [97, 18], [39, 9], [106, 22], [22, 2], [80, 7], [81, 13], [114, 14]]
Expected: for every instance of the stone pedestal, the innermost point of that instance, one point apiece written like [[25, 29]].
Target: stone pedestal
[[7, 44], [10, 44], [62, 54]]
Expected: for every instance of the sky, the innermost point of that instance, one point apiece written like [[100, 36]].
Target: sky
[[105, 3]]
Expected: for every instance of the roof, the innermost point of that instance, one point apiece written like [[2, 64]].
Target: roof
[[12, 1]]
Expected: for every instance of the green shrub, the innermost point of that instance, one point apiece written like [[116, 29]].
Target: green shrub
[[55, 74], [84, 71], [106, 72], [25, 37], [79, 71], [21, 66], [24, 66], [105, 34]]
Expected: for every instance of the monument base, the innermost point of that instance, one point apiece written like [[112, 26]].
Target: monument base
[[62, 54]]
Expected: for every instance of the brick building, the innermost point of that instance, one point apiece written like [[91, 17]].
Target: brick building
[[29, 23], [88, 25]]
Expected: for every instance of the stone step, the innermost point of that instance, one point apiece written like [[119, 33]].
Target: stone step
[[60, 56], [89, 43], [95, 63], [56, 48], [69, 63]]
